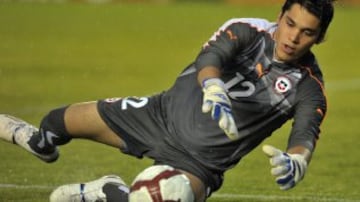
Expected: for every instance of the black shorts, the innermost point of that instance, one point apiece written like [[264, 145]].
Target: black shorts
[[141, 123]]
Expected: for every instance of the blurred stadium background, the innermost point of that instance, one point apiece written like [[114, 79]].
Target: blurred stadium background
[[57, 52]]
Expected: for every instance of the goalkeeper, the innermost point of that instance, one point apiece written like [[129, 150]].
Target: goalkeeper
[[250, 78]]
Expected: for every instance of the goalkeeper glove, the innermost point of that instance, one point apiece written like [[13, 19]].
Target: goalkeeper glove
[[216, 101], [288, 169]]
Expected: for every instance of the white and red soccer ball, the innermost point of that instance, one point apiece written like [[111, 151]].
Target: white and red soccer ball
[[161, 183]]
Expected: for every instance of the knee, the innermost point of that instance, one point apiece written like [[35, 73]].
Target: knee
[[197, 186], [54, 123]]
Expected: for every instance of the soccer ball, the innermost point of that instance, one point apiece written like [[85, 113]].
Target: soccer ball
[[161, 183]]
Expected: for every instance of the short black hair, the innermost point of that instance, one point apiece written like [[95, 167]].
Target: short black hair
[[322, 9]]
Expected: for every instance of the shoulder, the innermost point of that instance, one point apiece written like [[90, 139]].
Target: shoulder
[[257, 23], [311, 87], [309, 62]]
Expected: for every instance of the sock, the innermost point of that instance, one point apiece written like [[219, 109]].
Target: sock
[[52, 132], [116, 192]]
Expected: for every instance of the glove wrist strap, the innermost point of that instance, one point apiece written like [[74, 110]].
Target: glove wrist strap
[[302, 166], [213, 81]]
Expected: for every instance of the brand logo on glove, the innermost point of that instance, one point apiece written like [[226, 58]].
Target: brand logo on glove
[[282, 84]]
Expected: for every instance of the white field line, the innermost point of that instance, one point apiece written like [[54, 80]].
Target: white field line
[[239, 197], [260, 197], [16, 186]]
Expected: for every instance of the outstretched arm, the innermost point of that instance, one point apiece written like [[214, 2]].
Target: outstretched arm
[[207, 73], [216, 101], [301, 150]]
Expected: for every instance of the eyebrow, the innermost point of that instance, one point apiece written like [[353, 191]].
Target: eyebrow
[[288, 18]]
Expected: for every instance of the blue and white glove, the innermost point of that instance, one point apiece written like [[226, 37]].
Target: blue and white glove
[[288, 169], [216, 100]]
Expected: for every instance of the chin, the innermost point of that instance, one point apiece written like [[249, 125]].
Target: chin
[[286, 58]]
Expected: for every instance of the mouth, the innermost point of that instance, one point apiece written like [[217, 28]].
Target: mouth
[[289, 50]]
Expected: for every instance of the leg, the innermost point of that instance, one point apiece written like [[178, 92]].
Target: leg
[[83, 121], [197, 186], [57, 128], [16, 131], [118, 191], [97, 130], [80, 120], [110, 188]]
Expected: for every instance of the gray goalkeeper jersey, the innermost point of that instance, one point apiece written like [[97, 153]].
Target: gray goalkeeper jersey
[[264, 95]]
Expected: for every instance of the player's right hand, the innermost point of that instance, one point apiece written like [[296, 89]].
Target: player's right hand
[[216, 100]]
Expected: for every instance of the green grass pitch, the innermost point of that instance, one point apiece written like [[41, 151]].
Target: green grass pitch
[[56, 54]]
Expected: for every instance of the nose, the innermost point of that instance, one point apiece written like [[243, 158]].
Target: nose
[[295, 36]]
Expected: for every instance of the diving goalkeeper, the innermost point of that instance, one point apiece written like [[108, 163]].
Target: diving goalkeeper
[[250, 78]]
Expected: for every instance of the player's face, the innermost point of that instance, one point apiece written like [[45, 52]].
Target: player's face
[[297, 31]]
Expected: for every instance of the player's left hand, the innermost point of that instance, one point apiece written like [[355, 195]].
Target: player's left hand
[[216, 100], [288, 169]]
